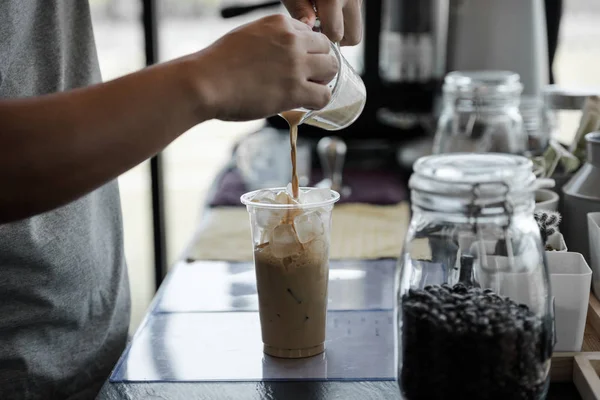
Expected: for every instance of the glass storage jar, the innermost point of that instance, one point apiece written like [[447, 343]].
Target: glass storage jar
[[474, 312], [481, 114], [537, 122]]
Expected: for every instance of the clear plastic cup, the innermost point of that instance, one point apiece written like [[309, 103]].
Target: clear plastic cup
[[348, 98], [291, 259]]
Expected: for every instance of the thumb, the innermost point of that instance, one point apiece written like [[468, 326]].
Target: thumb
[[302, 10]]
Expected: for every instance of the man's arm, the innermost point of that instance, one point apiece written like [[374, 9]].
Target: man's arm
[[56, 148]]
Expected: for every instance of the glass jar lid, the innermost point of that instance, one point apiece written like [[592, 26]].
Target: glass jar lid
[[483, 82], [469, 178]]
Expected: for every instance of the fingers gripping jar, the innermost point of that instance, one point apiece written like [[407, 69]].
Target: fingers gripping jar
[[473, 298]]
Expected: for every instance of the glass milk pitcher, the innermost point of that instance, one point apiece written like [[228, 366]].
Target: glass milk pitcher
[[348, 98]]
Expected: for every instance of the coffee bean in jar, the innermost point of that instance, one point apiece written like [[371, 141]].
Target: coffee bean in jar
[[464, 342]]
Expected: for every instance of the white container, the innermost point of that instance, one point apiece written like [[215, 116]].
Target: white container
[[570, 279], [594, 240], [557, 241], [546, 199]]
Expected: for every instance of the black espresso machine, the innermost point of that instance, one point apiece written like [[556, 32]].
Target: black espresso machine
[[407, 51]]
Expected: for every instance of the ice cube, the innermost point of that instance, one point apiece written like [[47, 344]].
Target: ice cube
[[316, 195], [282, 198], [264, 196], [268, 219], [318, 248], [290, 193], [265, 237], [308, 226], [284, 242]]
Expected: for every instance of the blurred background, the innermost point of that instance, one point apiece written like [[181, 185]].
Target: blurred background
[[192, 162]]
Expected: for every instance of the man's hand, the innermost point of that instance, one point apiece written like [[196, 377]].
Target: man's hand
[[266, 67], [341, 20]]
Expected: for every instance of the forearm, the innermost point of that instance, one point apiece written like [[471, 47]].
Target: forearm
[[56, 148]]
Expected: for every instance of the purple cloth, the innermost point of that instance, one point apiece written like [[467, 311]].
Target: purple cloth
[[372, 187]]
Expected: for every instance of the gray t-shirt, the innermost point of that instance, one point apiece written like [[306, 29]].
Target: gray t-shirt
[[64, 294]]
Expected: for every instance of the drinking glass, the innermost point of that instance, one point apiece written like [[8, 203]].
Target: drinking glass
[[291, 259]]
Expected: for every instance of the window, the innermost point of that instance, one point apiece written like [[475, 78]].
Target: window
[[119, 41], [578, 54]]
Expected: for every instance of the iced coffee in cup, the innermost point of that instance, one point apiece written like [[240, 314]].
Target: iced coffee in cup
[[291, 257]]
